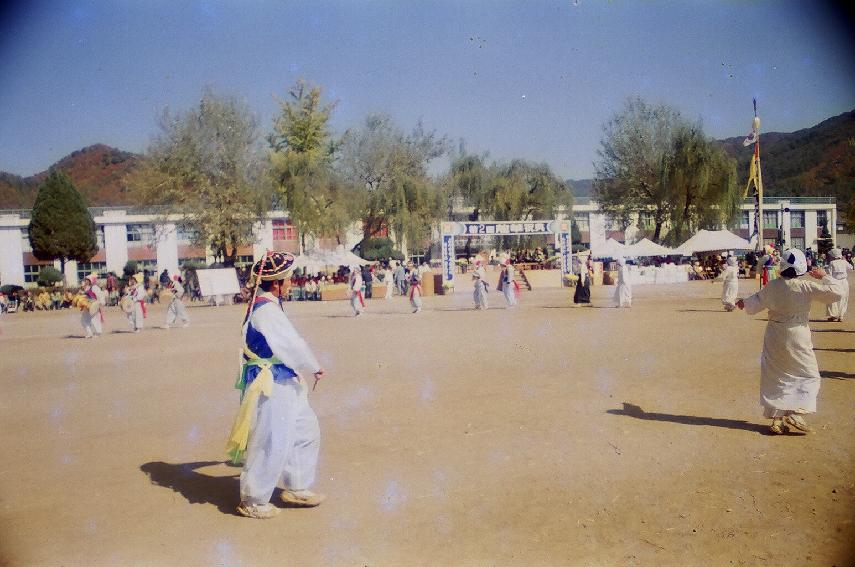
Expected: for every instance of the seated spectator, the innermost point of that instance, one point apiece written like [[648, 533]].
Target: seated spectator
[[67, 299], [55, 300], [4, 302]]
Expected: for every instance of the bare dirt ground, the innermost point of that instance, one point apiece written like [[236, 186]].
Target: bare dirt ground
[[542, 435]]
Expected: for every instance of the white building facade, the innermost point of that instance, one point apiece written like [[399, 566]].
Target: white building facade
[[156, 243]]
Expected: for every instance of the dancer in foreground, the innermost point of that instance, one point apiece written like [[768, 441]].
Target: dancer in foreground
[[275, 426], [357, 302], [479, 276], [730, 277], [136, 294], [838, 268], [176, 309], [416, 291], [789, 375], [623, 293], [507, 284]]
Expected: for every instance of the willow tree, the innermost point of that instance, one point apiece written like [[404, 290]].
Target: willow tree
[[631, 174], [207, 168], [389, 168], [302, 152], [700, 181]]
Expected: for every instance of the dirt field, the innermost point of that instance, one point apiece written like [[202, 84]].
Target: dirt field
[[542, 435]]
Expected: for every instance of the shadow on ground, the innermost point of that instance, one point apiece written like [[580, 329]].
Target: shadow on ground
[[632, 410], [836, 375], [197, 488]]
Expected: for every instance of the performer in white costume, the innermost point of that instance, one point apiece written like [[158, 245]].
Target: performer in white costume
[[176, 309], [730, 277], [136, 294], [91, 315], [387, 279], [789, 375], [838, 268], [623, 293], [480, 278], [275, 427], [357, 302], [507, 285]]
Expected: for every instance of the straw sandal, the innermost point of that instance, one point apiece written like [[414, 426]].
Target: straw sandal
[[797, 422], [778, 427], [302, 498], [260, 512]]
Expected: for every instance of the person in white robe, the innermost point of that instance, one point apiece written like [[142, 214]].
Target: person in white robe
[[789, 374], [479, 276], [623, 292], [730, 277], [137, 295], [276, 431], [838, 269], [507, 285], [388, 279], [357, 302], [176, 309]]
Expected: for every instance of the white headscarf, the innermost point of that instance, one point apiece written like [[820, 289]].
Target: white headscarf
[[794, 258], [621, 261], [731, 261], [835, 253]]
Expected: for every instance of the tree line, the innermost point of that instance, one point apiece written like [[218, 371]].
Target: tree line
[[212, 166]]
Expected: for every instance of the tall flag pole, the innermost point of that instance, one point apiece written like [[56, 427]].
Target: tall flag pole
[[755, 175]]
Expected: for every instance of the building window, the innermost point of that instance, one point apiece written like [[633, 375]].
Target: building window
[[612, 223], [86, 268], [244, 260], [797, 219], [745, 220], [140, 234], [99, 235], [770, 219], [25, 240], [150, 265], [31, 273], [798, 242], [821, 218], [582, 221], [187, 235], [645, 221], [284, 230], [191, 262]]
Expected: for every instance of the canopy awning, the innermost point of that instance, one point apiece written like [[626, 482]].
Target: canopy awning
[[712, 240]]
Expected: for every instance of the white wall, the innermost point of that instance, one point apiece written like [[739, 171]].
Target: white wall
[[115, 240], [11, 251], [166, 240], [264, 239], [597, 231]]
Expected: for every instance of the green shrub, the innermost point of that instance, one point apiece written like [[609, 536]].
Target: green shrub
[[48, 276]]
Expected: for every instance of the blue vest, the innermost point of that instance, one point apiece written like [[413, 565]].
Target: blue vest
[[256, 342]]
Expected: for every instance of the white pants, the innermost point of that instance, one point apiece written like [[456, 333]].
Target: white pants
[[480, 295], [91, 323], [355, 304], [388, 290], [135, 317], [176, 310], [510, 296], [838, 308], [283, 444], [416, 301]]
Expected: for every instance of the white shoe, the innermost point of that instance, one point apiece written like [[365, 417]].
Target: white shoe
[[302, 498], [260, 512]]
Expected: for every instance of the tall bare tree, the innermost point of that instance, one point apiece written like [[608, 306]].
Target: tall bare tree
[[207, 167]]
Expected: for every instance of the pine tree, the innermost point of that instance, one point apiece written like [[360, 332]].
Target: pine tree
[[61, 227]]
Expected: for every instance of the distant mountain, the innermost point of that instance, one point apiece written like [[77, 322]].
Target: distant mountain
[[97, 171], [813, 162]]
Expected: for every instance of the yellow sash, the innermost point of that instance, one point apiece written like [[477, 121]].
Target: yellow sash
[[263, 384]]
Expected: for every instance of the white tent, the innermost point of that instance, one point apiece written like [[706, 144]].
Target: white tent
[[611, 249], [646, 247], [711, 240]]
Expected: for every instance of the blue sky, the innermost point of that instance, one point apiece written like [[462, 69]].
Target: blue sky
[[522, 79]]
